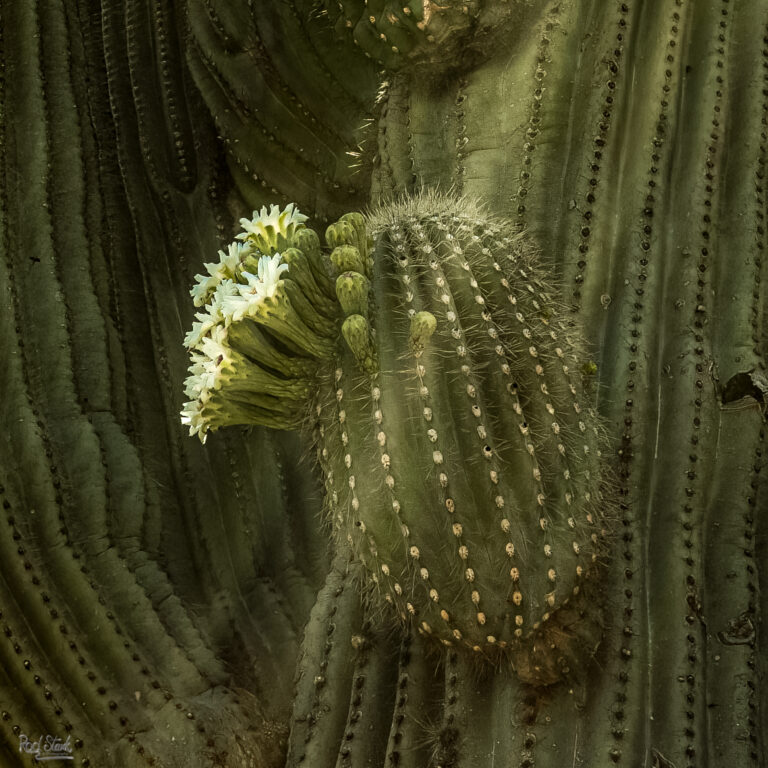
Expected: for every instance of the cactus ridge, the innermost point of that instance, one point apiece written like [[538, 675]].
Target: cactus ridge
[[325, 666]]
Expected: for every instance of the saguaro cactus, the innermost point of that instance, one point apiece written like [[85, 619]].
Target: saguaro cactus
[[610, 133], [462, 463], [154, 591], [443, 436]]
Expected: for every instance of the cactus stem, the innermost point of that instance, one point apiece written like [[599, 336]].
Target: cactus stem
[[464, 563], [279, 316], [420, 566]]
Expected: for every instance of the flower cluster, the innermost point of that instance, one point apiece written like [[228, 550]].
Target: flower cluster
[[273, 311], [235, 289]]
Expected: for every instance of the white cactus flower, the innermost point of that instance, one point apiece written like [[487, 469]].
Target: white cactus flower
[[270, 269], [199, 329], [205, 377], [202, 377], [214, 315], [205, 284], [215, 347], [230, 261], [225, 269], [257, 288], [191, 416], [264, 229]]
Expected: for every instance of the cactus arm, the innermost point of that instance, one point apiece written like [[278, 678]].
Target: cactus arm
[[284, 101]]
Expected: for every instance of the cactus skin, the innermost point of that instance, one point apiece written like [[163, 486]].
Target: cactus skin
[[464, 466], [138, 196], [136, 569], [609, 132], [286, 135]]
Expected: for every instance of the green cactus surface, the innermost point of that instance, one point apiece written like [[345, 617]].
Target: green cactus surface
[[135, 564], [166, 603], [462, 462]]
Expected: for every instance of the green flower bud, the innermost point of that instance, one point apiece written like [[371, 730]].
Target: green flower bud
[[341, 233], [358, 222], [347, 258], [307, 241], [357, 334], [352, 291], [423, 325]]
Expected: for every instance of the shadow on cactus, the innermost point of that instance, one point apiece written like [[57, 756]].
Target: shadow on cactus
[[442, 382], [396, 32], [452, 34]]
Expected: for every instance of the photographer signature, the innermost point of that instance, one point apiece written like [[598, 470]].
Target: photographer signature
[[46, 747]]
